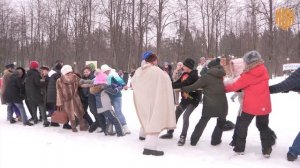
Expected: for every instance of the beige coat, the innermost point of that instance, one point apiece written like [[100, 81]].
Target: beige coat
[[153, 99], [67, 96]]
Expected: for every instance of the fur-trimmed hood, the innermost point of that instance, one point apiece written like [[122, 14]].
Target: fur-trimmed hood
[[253, 65]]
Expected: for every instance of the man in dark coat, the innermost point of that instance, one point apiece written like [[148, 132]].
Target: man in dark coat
[[16, 90], [187, 103], [33, 85], [214, 102], [291, 83]]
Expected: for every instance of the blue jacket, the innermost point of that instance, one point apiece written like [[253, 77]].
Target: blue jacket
[[291, 83], [115, 81]]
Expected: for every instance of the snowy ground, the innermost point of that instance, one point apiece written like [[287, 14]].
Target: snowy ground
[[55, 147]]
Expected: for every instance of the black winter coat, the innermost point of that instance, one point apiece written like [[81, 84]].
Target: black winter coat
[[187, 79], [33, 87], [51, 89], [214, 100], [291, 83], [15, 89]]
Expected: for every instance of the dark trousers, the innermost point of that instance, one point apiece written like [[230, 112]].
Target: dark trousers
[[187, 109], [86, 115], [262, 123], [216, 135], [111, 116], [42, 109], [100, 119]]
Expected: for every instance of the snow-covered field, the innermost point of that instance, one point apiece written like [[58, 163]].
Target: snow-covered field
[[53, 147]]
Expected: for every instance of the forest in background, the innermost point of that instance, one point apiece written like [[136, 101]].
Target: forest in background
[[117, 32]]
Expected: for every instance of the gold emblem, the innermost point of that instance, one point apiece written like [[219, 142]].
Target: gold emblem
[[285, 18]]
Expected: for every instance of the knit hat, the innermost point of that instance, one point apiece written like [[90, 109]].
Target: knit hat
[[251, 56], [101, 78], [66, 69], [105, 68], [146, 55], [190, 63], [34, 65], [214, 62], [92, 66]]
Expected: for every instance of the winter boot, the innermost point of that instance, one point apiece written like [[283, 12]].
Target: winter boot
[[181, 141], [82, 125], [290, 157], [12, 121], [46, 123], [267, 152], [53, 124], [110, 130], [168, 135], [126, 130], [73, 126], [273, 138], [28, 124], [153, 152], [67, 126], [93, 127], [216, 136]]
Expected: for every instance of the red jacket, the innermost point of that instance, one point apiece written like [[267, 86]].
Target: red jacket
[[254, 83]]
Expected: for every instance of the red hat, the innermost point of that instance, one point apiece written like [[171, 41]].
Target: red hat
[[34, 65]]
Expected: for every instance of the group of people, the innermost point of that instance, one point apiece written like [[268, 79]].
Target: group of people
[[61, 90], [154, 100]]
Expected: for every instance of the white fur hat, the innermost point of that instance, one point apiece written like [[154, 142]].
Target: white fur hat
[[105, 68], [66, 69]]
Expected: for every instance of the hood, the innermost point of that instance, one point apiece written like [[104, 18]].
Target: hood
[[216, 71], [237, 66], [31, 72]]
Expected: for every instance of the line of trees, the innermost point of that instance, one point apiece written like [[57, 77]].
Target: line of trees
[[117, 32]]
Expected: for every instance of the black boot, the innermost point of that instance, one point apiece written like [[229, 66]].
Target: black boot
[[67, 126], [28, 124], [181, 141], [53, 124], [216, 136], [46, 123], [168, 135], [153, 152], [12, 121], [290, 157], [93, 127], [273, 138]]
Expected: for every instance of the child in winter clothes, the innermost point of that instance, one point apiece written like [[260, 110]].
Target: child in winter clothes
[[114, 80], [214, 102], [291, 83], [102, 92], [187, 104], [254, 82]]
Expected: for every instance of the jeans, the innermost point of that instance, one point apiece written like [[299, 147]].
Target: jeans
[[295, 148], [117, 104], [20, 108]]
